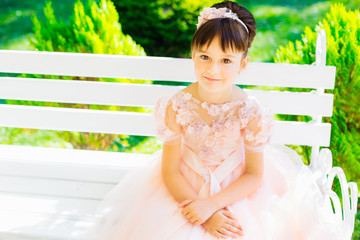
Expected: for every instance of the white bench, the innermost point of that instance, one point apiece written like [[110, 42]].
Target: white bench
[[50, 193]]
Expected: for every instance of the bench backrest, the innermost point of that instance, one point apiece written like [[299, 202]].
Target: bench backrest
[[316, 103], [137, 91]]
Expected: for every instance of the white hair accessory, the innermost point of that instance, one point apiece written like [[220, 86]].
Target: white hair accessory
[[211, 12]]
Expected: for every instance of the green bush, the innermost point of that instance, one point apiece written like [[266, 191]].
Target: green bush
[[162, 27], [343, 51], [92, 29]]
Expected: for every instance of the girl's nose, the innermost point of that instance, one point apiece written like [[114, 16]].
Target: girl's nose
[[213, 68]]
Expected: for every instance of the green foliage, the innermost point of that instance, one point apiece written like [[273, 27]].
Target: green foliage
[[137, 144], [92, 29], [25, 137], [349, 4], [356, 234], [343, 51], [163, 27]]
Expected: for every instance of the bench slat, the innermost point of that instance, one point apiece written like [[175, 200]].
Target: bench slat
[[79, 165], [73, 156], [65, 173], [76, 209], [122, 94], [35, 226], [53, 187], [33, 168], [152, 68], [134, 123], [80, 120]]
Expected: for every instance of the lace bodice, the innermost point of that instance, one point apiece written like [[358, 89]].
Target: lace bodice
[[212, 129]]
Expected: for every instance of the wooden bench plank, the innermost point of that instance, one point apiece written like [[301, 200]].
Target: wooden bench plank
[[53, 187], [79, 165], [80, 156], [71, 208], [133, 123], [35, 226], [81, 172], [177, 69], [122, 94], [80, 120]]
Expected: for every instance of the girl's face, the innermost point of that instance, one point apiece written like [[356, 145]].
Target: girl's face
[[216, 70]]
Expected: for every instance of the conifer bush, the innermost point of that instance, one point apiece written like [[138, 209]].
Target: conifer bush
[[93, 28], [343, 51]]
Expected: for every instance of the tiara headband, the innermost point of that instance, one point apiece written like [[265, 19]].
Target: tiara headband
[[211, 12]]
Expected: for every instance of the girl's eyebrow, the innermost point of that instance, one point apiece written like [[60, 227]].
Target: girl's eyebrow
[[228, 55]]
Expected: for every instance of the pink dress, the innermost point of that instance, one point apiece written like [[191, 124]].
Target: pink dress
[[288, 205]]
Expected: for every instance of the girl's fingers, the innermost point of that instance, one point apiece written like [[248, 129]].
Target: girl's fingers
[[233, 222], [229, 214], [185, 202], [220, 235], [228, 233], [233, 229], [236, 225], [193, 219]]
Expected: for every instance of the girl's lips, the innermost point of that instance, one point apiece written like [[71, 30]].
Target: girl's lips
[[211, 79]]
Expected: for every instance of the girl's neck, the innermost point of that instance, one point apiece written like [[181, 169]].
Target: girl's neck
[[214, 97]]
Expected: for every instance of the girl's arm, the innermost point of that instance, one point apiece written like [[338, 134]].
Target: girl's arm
[[173, 179], [257, 135], [246, 184]]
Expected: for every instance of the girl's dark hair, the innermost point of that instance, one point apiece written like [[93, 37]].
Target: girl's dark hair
[[232, 34]]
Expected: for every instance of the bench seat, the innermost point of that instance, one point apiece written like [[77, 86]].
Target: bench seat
[[46, 192]]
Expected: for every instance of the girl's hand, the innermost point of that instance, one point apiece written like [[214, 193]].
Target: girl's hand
[[198, 210], [223, 224]]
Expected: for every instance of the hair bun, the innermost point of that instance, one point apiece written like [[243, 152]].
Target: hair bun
[[243, 14]]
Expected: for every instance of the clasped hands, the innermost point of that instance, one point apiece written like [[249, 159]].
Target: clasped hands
[[198, 210]]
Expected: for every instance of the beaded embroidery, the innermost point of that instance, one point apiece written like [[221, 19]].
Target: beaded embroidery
[[212, 109], [231, 120]]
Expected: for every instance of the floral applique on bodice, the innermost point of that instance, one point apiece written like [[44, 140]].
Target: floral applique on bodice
[[213, 130]]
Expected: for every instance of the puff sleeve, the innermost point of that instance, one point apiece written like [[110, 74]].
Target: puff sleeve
[[164, 114], [258, 132]]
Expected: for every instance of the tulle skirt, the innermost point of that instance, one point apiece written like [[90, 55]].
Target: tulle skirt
[[288, 206]]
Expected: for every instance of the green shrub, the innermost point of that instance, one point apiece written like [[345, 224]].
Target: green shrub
[[162, 27], [92, 29], [343, 51], [356, 234]]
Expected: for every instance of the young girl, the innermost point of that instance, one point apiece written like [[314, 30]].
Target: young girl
[[217, 175]]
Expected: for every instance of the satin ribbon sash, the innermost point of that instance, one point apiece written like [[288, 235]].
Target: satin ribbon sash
[[212, 179]]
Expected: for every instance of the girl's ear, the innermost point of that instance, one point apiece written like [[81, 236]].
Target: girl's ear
[[244, 63]]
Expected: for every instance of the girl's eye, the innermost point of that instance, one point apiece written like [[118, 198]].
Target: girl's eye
[[204, 57]]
